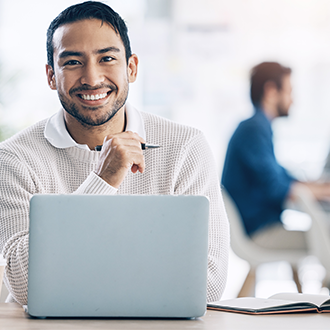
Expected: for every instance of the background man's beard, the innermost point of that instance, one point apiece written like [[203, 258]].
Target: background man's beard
[[281, 111], [88, 121]]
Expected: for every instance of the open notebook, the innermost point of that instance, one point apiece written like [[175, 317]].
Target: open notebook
[[278, 303]]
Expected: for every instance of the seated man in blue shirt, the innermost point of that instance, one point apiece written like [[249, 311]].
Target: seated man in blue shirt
[[251, 175]]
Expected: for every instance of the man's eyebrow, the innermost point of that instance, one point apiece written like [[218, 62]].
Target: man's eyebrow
[[69, 53], [108, 49]]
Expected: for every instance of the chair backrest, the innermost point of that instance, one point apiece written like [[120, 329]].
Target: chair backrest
[[238, 237], [241, 243], [318, 236], [244, 247]]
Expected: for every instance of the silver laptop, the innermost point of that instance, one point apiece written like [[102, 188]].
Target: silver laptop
[[118, 256]]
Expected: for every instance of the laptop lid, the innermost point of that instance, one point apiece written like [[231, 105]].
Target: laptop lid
[[118, 256]]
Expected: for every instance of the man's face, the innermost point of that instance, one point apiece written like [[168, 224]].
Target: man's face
[[90, 71], [285, 97]]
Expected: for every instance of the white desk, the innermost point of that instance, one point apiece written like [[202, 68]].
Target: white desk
[[13, 317]]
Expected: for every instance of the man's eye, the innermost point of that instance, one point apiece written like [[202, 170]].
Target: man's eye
[[72, 62], [107, 59]]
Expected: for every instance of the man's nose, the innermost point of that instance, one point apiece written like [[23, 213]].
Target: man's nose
[[91, 75]]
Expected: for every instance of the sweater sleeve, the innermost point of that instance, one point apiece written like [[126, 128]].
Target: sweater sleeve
[[16, 189], [95, 185], [18, 184], [198, 176]]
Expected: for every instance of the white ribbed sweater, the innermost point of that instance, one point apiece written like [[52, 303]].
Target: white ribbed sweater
[[30, 164]]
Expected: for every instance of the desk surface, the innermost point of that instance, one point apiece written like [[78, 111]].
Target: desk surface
[[13, 317]]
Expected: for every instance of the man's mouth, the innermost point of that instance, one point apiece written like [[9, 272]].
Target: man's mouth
[[93, 97]]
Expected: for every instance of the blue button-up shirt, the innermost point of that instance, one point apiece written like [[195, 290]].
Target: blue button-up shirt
[[252, 175]]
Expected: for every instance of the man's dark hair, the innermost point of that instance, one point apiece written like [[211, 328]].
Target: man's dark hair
[[88, 10], [263, 72]]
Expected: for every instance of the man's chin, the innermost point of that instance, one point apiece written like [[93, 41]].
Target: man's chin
[[92, 116], [283, 113], [92, 122]]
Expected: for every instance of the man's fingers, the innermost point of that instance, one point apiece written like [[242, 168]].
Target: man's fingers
[[135, 161], [134, 168], [120, 153], [126, 138]]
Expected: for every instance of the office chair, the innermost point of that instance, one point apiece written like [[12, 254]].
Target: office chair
[[318, 236], [244, 247]]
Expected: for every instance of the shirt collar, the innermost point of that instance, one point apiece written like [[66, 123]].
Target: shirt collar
[[264, 120], [58, 136], [259, 110]]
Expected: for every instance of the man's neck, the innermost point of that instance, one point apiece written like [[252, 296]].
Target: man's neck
[[94, 135], [269, 109]]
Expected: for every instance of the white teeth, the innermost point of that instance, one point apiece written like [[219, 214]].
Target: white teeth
[[93, 97]]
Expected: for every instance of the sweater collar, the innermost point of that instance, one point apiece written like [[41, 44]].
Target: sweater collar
[[58, 136]]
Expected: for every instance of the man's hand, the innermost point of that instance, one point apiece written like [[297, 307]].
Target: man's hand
[[320, 190], [120, 152]]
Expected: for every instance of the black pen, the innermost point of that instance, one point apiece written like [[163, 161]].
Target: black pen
[[144, 146]]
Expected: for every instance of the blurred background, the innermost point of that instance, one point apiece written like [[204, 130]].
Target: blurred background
[[195, 57]]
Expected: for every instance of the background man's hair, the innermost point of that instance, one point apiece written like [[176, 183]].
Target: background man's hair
[[263, 72], [88, 10]]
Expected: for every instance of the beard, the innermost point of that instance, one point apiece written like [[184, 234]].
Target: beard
[[104, 116], [282, 111]]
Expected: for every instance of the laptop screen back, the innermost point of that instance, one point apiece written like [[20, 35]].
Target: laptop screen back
[[117, 256]]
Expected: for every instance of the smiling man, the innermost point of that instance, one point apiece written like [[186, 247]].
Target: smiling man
[[90, 65], [90, 70]]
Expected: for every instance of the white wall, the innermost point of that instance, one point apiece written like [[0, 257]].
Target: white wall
[[195, 56]]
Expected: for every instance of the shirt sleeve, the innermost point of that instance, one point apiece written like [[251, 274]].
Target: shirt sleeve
[[255, 150], [198, 176]]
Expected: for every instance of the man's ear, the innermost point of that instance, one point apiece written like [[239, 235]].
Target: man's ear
[[271, 90], [133, 62], [50, 77]]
